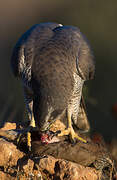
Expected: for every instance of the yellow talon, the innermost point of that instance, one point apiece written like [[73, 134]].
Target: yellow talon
[[19, 138], [27, 133], [70, 131], [32, 124], [73, 135], [29, 140]]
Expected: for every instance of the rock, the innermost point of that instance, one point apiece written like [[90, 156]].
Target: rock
[[85, 154], [62, 169], [55, 161], [9, 154], [8, 126], [25, 165], [5, 176]]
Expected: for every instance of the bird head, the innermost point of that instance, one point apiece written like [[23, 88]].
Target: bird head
[[45, 113]]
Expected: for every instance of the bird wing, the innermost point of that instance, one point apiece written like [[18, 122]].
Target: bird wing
[[22, 56], [18, 57], [85, 60]]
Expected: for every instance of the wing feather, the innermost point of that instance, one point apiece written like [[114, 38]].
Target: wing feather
[[22, 56]]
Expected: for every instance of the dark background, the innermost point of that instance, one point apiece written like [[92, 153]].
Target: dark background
[[97, 20]]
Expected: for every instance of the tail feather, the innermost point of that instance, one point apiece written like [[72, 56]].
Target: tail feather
[[83, 123]]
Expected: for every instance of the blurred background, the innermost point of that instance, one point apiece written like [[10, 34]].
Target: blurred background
[[97, 20]]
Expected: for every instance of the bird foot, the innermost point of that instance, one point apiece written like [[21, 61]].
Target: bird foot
[[23, 133], [45, 137], [73, 135]]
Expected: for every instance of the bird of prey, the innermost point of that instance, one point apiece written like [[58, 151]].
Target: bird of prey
[[53, 61]]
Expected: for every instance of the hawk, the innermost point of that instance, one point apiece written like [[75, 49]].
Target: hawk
[[53, 61]]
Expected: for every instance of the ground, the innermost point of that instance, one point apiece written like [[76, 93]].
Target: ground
[[56, 161]]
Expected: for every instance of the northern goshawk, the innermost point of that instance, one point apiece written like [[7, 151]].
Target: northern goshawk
[[53, 61]]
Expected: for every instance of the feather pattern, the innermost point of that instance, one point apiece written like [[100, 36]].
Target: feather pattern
[[53, 61]]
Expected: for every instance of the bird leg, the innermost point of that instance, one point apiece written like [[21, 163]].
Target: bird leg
[[70, 131], [29, 107], [27, 132], [32, 125]]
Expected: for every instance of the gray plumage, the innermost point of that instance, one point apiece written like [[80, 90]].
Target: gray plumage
[[53, 61]]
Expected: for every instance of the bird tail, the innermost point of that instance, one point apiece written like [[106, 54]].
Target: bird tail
[[83, 123]]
